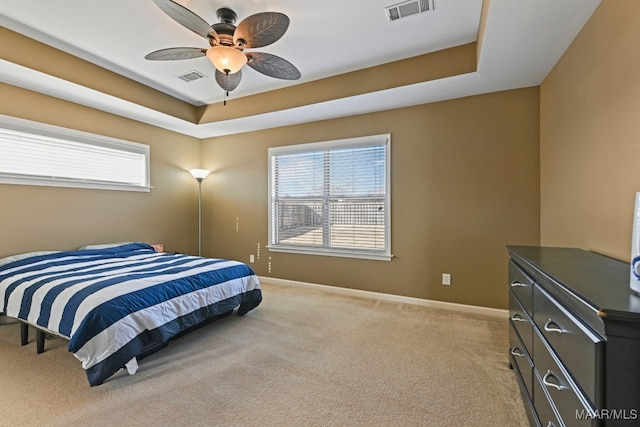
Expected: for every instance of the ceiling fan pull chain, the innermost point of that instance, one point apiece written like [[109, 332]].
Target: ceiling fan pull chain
[[226, 93]]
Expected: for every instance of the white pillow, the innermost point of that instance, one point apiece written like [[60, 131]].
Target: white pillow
[[18, 257], [104, 245]]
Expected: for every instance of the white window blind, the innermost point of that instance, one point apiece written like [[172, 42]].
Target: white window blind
[[38, 154], [331, 198]]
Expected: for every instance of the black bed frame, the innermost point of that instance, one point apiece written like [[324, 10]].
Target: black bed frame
[[149, 350], [24, 337]]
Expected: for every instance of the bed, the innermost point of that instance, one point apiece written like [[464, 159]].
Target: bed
[[114, 303]]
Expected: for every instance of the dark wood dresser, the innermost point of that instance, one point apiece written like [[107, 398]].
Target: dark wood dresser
[[574, 337]]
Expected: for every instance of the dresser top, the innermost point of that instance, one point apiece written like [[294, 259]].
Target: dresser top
[[598, 281]]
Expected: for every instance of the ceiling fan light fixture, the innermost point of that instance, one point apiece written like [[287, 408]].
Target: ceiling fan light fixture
[[226, 59]]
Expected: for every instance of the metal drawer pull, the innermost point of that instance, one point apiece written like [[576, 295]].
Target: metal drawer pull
[[517, 318], [545, 381], [551, 424], [516, 352], [516, 284], [552, 326]]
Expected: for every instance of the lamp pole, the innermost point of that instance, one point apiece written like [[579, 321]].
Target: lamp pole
[[199, 216], [199, 175]]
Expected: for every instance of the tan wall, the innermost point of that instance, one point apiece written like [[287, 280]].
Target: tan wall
[[39, 218], [589, 135], [465, 183]]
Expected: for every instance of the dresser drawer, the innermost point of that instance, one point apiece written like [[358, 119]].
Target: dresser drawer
[[579, 349], [521, 321], [544, 408], [560, 389], [521, 285], [520, 357]]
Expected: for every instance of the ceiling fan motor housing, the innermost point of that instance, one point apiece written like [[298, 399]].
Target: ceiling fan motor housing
[[225, 34], [226, 28]]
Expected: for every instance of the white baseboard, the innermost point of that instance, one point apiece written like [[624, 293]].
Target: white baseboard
[[496, 312]]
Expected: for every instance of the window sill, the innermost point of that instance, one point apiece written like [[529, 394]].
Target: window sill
[[331, 252], [53, 182]]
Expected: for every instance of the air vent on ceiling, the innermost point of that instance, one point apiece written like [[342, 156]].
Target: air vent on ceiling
[[408, 8], [191, 76]]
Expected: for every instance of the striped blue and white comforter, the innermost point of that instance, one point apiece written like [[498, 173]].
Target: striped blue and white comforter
[[113, 304]]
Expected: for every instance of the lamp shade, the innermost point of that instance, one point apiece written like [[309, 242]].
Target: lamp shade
[[199, 174], [226, 59]]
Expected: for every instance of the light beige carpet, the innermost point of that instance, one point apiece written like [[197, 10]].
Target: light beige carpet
[[303, 358]]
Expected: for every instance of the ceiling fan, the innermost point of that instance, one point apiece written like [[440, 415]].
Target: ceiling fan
[[228, 43]]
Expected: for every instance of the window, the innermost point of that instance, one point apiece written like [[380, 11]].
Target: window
[[38, 154], [331, 198]]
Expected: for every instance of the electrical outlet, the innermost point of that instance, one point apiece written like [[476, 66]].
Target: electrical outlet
[[446, 279], [252, 259]]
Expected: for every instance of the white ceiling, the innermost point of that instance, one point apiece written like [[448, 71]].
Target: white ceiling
[[523, 40]]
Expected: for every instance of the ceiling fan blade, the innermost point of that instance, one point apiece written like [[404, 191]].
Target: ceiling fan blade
[[228, 82], [273, 66], [174, 53], [261, 29], [188, 19]]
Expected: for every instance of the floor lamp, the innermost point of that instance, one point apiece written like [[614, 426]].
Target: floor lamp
[[199, 175]]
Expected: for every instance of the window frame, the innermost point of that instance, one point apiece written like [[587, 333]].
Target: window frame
[[51, 131], [357, 142]]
